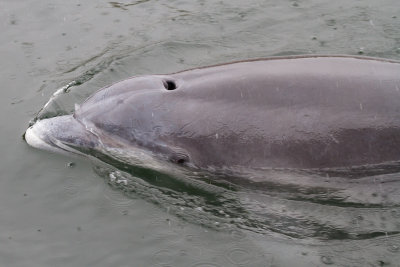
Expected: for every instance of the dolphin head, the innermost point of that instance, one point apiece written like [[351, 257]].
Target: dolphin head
[[127, 116]]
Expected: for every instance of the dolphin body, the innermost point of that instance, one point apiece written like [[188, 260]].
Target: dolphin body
[[284, 112]]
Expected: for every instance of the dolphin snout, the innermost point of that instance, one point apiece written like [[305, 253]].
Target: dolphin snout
[[37, 136], [59, 134]]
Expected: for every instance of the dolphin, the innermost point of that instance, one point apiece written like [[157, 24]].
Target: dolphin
[[302, 112]]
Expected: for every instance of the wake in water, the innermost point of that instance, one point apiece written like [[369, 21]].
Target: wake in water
[[314, 207]]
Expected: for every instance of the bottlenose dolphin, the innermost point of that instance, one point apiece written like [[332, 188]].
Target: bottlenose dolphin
[[284, 112]]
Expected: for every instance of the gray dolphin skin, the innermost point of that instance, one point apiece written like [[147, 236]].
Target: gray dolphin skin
[[284, 112]]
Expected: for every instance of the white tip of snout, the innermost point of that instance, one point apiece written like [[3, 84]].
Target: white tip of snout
[[32, 137]]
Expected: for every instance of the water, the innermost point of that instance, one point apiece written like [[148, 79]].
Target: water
[[60, 211]]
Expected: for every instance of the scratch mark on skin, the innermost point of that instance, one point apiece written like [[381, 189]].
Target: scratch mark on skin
[[184, 126], [334, 139]]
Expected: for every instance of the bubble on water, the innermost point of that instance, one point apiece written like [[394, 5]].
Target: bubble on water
[[183, 252], [71, 164], [393, 248], [163, 257], [382, 263], [327, 260], [237, 234], [117, 178], [239, 256]]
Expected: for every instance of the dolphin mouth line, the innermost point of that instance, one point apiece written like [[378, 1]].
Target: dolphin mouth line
[[65, 147]]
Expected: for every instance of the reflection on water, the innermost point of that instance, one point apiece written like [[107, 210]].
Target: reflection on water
[[333, 209]]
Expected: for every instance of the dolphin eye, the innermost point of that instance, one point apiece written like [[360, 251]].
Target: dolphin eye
[[169, 84], [181, 161]]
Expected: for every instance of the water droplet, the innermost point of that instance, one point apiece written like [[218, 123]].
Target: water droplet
[[327, 260], [236, 234], [393, 248], [239, 256], [182, 252], [71, 164], [163, 257], [382, 263]]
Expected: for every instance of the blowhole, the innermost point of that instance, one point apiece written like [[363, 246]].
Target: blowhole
[[169, 84]]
